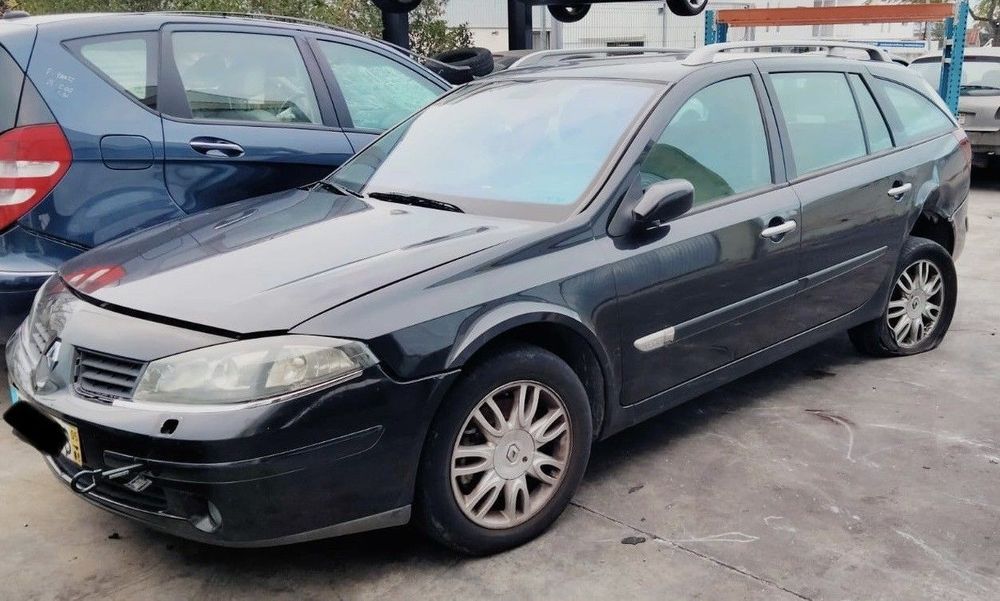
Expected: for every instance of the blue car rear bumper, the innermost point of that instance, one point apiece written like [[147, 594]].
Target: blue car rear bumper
[[26, 261]]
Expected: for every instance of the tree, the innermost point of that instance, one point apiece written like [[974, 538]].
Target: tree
[[429, 32], [6, 5], [987, 12]]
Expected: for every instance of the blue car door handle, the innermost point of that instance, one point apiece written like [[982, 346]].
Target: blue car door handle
[[214, 147]]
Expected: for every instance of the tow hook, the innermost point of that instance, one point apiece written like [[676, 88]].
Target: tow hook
[[87, 480]]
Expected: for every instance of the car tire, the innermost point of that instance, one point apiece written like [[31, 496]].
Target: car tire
[[461, 456], [687, 8], [924, 294], [479, 62], [396, 6], [569, 13]]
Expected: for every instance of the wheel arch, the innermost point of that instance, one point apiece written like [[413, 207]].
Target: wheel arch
[[930, 221], [553, 328]]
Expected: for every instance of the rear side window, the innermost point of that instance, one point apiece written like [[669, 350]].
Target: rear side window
[[878, 132], [128, 62], [823, 124], [919, 117], [245, 77], [379, 91], [11, 79], [692, 148]]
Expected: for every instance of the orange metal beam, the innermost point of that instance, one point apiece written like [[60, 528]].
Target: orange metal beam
[[829, 15]]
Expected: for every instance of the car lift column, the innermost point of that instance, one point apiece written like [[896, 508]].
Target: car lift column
[[519, 25], [396, 28]]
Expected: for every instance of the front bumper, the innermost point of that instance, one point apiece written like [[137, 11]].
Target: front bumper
[[332, 462]]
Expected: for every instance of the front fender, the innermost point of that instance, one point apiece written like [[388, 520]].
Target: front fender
[[494, 323]]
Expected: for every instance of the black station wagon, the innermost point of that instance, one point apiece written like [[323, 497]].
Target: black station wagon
[[443, 327]]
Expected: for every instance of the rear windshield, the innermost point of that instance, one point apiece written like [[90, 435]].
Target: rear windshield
[[11, 79], [980, 74]]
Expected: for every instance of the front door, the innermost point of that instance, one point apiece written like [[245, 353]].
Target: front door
[[245, 114], [715, 286]]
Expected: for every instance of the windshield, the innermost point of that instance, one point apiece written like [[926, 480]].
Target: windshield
[[509, 148], [980, 74]]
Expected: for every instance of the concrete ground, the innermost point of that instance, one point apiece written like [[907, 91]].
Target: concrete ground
[[825, 476]]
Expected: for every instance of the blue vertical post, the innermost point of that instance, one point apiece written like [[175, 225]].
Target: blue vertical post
[[715, 33], [953, 55]]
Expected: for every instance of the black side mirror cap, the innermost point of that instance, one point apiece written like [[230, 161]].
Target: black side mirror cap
[[661, 203]]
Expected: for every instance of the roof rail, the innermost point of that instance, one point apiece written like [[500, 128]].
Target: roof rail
[[556, 56], [708, 54]]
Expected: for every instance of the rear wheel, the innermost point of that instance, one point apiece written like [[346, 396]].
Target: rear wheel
[[920, 306], [505, 453]]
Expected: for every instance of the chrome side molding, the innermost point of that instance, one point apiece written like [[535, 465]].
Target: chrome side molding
[[656, 340]]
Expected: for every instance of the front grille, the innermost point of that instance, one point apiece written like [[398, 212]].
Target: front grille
[[106, 376]]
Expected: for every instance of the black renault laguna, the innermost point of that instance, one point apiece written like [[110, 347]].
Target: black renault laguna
[[536, 261]]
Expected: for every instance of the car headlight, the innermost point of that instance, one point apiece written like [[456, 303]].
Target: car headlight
[[251, 370]]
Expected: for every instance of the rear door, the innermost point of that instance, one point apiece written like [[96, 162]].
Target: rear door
[[372, 88], [245, 113], [841, 161]]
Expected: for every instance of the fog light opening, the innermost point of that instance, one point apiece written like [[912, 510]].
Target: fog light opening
[[169, 427], [208, 523]]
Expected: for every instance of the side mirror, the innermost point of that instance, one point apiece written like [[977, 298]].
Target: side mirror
[[663, 202]]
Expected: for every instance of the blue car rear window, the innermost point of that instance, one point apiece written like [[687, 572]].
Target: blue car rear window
[[11, 80]]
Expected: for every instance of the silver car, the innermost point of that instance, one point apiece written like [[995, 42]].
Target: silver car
[[979, 103]]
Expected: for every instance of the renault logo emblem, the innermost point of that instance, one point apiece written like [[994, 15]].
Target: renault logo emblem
[[47, 363]]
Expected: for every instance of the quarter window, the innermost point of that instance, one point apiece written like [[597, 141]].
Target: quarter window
[[716, 141], [919, 117], [878, 132], [245, 77], [127, 62], [379, 91], [823, 124]]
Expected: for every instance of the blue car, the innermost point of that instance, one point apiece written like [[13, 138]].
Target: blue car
[[110, 124]]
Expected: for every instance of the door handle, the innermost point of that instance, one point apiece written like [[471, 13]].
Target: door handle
[[778, 230], [215, 147], [899, 189]]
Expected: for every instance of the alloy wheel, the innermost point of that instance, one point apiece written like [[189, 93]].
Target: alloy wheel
[[511, 454], [915, 304]]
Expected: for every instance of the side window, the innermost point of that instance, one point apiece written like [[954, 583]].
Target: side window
[[823, 124], [694, 147], [878, 132], [379, 92], [126, 61], [245, 77], [920, 117]]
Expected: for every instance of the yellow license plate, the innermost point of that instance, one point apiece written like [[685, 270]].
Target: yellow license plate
[[72, 450]]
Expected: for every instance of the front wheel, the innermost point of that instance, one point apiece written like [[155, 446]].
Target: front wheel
[[505, 452], [920, 306]]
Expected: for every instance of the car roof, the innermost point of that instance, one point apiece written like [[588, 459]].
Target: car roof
[[657, 68], [124, 22]]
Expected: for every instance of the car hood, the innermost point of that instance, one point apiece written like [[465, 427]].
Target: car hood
[[268, 264]]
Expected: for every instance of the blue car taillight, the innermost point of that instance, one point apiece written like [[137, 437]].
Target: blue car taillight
[[32, 161]]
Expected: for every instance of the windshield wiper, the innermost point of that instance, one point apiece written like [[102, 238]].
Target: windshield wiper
[[337, 189], [415, 201]]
